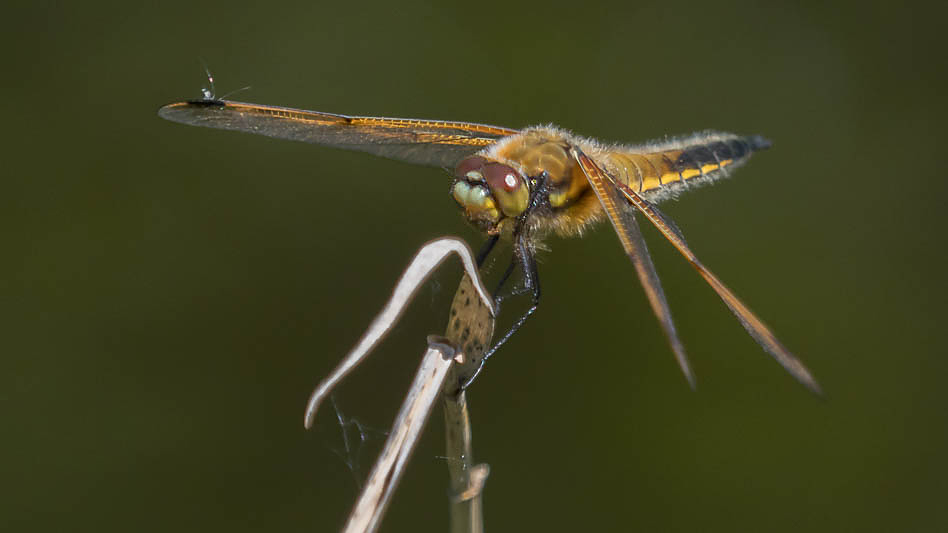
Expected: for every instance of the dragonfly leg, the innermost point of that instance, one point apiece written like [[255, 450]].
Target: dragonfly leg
[[527, 262], [503, 280], [523, 256], [482, 256], [485, 250]]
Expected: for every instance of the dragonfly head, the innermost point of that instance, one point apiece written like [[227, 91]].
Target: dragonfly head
[[489, 191]]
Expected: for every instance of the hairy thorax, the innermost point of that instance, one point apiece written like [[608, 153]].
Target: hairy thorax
[[542, 153]]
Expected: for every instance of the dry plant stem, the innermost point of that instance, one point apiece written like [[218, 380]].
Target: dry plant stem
[[467, 479], [406, 430], [438, 359], [428, 258], [470, 328]]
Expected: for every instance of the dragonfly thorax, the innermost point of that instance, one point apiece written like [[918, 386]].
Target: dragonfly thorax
[[489, 191]]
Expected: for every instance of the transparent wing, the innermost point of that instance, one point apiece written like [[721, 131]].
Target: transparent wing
[[754, 326], [622, 216], [423, 142]]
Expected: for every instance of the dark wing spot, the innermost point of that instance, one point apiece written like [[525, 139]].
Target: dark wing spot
[[209, 102]]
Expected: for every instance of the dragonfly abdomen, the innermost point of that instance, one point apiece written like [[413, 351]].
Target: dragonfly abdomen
[[661, 169]]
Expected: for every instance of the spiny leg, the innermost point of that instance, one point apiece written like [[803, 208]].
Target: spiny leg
[[531, 280], [524, 256], [482, 256], [486, 249], [503, 279]]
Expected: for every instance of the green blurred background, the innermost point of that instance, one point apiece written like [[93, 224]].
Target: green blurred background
[[171, 294]]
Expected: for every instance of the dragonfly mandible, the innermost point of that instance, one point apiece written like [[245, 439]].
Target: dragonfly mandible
[[523, 184]]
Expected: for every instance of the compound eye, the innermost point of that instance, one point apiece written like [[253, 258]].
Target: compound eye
[[470, 168], [502, 178], [508, 188]]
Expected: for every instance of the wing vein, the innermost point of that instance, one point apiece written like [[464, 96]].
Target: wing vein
[[754, 326], [627, 229]]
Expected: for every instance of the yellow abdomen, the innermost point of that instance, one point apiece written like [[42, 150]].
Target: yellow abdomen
[[663, 170]]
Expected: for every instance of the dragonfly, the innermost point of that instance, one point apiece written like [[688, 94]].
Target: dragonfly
[[523, 184]]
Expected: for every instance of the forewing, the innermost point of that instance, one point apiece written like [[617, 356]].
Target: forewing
[[423, 142], [622, 216], [757, 329]]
